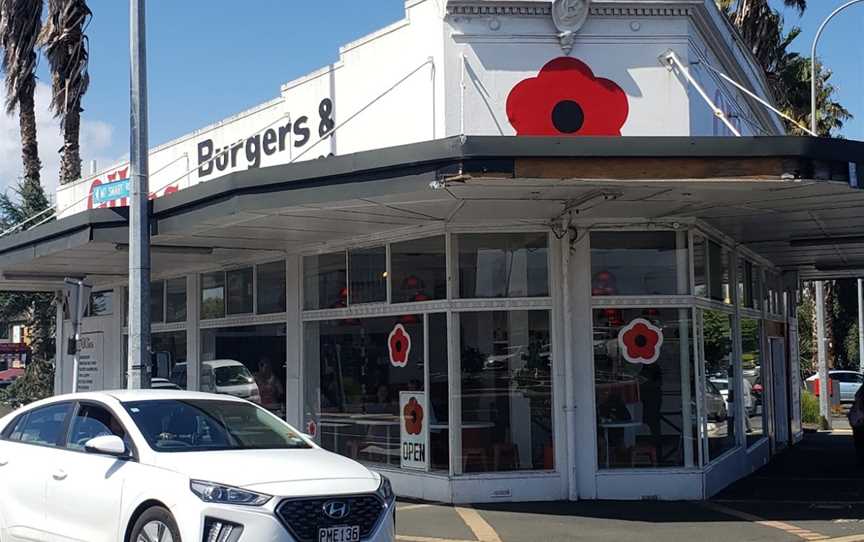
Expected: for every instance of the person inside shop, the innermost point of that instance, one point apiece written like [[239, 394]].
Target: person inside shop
[[856, 420], [269, 387]]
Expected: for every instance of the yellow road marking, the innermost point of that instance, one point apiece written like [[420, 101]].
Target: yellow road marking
[[481, 529], [803, 534], [851, 538], [412, 507], [406, 538]]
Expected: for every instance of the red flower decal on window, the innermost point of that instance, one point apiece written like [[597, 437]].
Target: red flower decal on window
[[640, 341], [566, 99], [413, 416], [312, 428], [399, 343]]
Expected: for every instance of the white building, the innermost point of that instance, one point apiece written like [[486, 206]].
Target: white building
[[574, 313]]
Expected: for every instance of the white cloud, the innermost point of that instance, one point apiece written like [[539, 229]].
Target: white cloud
[[95, 139]]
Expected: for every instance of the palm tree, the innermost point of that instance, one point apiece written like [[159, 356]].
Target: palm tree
[[20, 24], [66, 47]]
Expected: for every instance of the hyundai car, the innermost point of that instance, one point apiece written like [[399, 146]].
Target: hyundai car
[[174, 466]]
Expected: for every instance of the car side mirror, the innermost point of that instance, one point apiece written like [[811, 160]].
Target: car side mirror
[[107, 445]]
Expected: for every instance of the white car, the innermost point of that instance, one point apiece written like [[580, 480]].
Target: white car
[[847, 381], [172, 466], [230, 377]]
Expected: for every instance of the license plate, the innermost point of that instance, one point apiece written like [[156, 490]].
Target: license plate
[[339, 534]]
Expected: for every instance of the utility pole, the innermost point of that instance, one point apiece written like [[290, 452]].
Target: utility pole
[[139, 205], [824, 384]]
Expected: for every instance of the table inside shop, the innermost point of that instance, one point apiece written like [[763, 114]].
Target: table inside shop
[[606, 426]]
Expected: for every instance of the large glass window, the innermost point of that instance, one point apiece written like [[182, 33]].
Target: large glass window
[[639, 355], [213, 295], [367, 279], [157, 302], [752, 379], [271, 287], [169, 360], [247, 362], [719, 382], [175, 300], [506, 367], [419, 270], [745, 283], [240, 295], [638, 263], [503, 265], [355, 371], [325, 281], [700, 266], [101, 304], [439, 393], [718, 272]]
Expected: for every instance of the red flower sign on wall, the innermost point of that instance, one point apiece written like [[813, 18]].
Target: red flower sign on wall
[[566, 99], [399, 343], [312, 428], [640, 341], [413, 416]]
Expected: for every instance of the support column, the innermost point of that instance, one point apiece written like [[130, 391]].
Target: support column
[[824, 399], [59, 346], [861, 325]]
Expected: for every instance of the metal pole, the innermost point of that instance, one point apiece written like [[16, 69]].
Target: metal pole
[[139, 206], [861, 325], [813, 105], [824, 400]]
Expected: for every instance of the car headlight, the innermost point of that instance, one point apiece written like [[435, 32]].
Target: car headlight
[[385, 491], [221, 494]]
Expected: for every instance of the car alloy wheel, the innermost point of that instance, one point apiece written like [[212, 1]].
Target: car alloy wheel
[[155, 531], [155, 525]]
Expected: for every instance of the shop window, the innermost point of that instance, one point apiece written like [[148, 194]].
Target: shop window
[[506, 381], [355, 372], [271, 287], [503, 265], [239, 282], [756, 280], [175, 300], [439, 393], [719, 407], [168, 360], [745, 283], [718, 272], [419, 270], [753, 379], [325, 281], [101, 304], [637, 263], [247, 362], [367, 282], [639, 355], [157, 302], [212, 295], [700, 266]]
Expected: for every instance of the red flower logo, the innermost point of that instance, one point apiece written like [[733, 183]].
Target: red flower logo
[[311, 428], [640, 341], [399, 343], [566, 99], [413, 416]]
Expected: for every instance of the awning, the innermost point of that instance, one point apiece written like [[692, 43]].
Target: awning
[[794, 200]]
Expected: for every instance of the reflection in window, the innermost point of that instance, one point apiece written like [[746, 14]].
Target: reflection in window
[[419, 270], [240, 291], [638, 360], [271, 287], [637, 263], [168, 360], [354, 383], [92, 421], [700, 267], [719, 382], [752, 379], [175, 300], [44, 426], [745, 283], [368, 275], [246, 362], [439, 393], [213, 295], [325, 281], [503, 265], [101, 304], [157, 301], [506, 371], [718, 272]]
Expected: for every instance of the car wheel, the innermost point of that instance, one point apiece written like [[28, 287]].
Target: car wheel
[[155, 525]]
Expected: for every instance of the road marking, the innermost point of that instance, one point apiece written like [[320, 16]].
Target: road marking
[[851, 538], [803, 534], [412, 507], [406, 538], [481, 529]]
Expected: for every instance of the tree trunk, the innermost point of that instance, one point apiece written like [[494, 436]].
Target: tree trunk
[[29, 143], [70, 163]]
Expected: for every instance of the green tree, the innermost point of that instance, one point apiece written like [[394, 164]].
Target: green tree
[[66, 47]]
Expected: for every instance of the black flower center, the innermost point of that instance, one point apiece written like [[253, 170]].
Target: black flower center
[[568, 117], [641, 341]]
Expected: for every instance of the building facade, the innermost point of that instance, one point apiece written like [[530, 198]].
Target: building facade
[[500, 250]]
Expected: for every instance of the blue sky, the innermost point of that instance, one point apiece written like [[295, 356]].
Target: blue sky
[[209, 60]]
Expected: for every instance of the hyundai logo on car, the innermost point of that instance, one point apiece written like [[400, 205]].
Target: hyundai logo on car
[[336, 509]]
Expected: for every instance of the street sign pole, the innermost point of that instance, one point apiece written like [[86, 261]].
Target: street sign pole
[[139, 206]]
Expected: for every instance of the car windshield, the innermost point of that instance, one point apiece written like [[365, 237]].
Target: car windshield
[[722, 385], [233, 375], [207, 425]]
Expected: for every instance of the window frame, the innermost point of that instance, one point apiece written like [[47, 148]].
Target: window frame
[[132, 450]]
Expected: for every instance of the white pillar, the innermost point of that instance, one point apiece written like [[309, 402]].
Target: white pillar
[[824, 400], [861, 325], [59, 346]]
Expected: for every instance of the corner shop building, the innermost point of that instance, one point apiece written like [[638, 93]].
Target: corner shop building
[[548, 240]]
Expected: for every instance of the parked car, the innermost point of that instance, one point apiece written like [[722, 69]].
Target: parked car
[[226, 376], [98, 466], [157, 383], [847, 381], [715, 403]]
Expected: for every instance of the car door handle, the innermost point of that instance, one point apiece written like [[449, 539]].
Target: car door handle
[[4, 462], [60, 475]]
